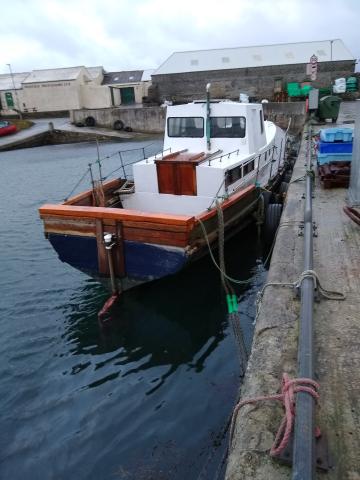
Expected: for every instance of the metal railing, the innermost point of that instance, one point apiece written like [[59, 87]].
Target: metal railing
[[304, 434]]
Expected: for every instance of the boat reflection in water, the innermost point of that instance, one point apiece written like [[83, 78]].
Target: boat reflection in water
[[167, 366]]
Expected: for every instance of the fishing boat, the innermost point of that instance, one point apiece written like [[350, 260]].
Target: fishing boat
[[6, 128], [217, 155]]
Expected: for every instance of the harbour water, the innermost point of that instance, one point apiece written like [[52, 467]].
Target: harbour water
[[147, 398]]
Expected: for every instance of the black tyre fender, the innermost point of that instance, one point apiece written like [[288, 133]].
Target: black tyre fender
[[287, 177], [267, 196], [90, 121], [128, 129], [283, 187], [272, 220], [118, 125]]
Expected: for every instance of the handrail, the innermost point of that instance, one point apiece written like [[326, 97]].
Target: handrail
[[237, 152], [304, 434]]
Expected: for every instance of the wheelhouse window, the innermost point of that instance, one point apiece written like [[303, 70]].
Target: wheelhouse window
[[249, 167], [227, 127], [233, 175], [191, 127]]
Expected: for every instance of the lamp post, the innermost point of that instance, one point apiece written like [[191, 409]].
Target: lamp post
[[15, 92]]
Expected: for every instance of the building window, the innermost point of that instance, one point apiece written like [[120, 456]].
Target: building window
[[225, 59], [192, 127], [227, 127], [278, 83], [194, 62]]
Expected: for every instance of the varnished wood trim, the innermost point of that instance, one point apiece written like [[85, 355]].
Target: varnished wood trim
[[117, 214]]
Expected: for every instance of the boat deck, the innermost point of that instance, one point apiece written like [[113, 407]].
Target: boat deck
[[337, 333]]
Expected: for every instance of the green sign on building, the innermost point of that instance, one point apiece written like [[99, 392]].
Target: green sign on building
[[9, 99]]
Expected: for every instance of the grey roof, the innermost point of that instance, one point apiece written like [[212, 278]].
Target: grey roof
[[146, 76], [95, 71], [54, 74], [257, 56], [114, 78], [6, 82]]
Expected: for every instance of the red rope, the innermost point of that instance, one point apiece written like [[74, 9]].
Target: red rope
[[287, 396]]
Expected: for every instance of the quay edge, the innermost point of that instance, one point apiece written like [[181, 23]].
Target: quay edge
[[274, 351]]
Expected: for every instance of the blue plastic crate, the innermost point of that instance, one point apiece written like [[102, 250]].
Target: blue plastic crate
[[333, 157], [335, 147], [339, 134]]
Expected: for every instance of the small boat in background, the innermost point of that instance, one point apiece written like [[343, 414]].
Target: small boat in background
[[6, 128], [217, 155]]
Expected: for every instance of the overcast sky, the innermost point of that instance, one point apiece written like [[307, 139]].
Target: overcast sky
[[140, 34]]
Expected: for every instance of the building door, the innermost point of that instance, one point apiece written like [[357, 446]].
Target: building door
[[127, 95], [9, 99]]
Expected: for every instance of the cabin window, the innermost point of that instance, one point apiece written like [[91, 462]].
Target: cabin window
[[248, 167], [227, 127], [261, 122], [233, 175], [191, 127]]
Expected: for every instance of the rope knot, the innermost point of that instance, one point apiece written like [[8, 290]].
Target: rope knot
[[289, 389]]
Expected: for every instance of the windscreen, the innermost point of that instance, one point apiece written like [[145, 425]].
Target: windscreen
[[192, 127], [227, 127]]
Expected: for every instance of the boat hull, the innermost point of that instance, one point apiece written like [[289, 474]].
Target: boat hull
[[147, 246], [143, 262]]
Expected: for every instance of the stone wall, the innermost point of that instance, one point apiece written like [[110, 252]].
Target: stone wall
[[281, 112], [146, 119], [258, 82], [152, 119]]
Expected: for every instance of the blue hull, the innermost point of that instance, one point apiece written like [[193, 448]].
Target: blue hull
[[143, 262]]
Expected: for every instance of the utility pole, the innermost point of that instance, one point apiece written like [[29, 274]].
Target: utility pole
[[15, 92]]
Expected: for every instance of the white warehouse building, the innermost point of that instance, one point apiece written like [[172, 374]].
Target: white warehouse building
[[65, 89]]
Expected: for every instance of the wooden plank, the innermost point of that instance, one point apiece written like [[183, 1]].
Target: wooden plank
[[69, 226], [186, 175], [166, 176], [157, 226], [102, 256], [135, 236], [155, 233], [65, 229], [118, 214]]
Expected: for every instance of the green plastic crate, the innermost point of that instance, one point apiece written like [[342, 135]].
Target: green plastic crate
[[305, 90], [293, 89]]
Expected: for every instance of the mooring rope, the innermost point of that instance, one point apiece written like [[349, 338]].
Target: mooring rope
[[231, 279], [287, 396], [233, 313], [328, 294]]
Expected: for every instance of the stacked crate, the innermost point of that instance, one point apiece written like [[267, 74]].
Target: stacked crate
[[334, 153]]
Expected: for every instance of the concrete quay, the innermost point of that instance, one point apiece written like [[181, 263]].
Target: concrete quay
[[63, 132], [337, 333]]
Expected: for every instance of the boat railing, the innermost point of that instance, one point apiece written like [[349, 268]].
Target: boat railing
[[220, 157], [161, 152], [229, 154], [123, 164]]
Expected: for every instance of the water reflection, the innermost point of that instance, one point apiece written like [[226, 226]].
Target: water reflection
[[179, 320]]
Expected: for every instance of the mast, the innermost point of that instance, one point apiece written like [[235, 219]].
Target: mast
[[208, 111]]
